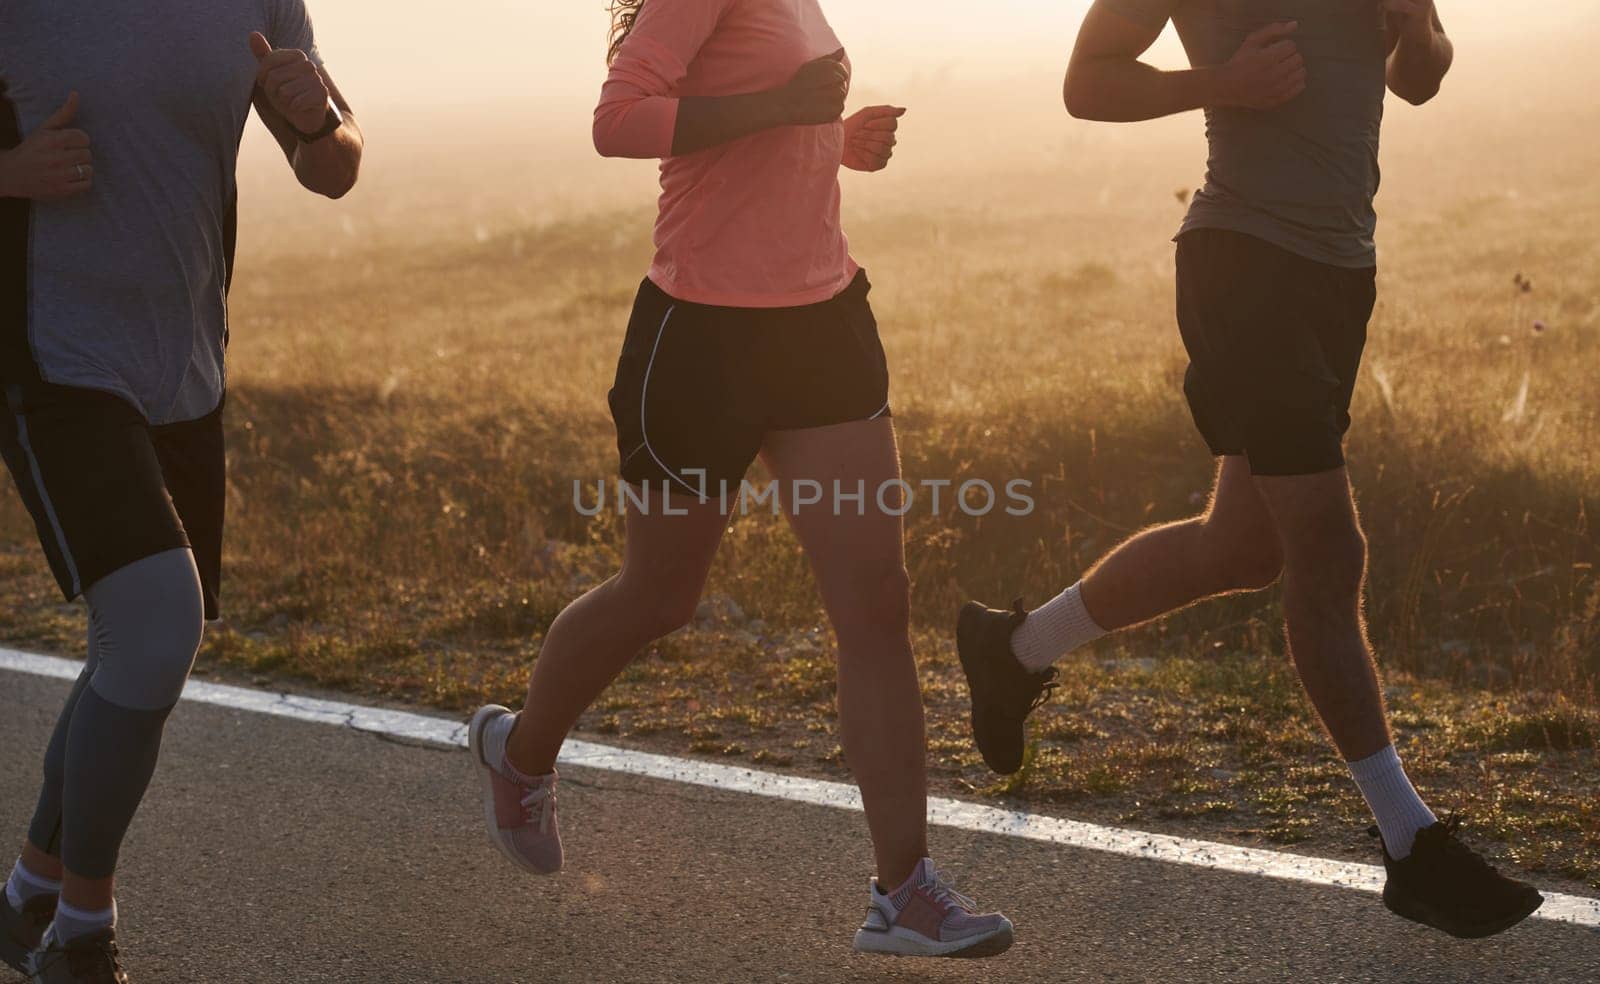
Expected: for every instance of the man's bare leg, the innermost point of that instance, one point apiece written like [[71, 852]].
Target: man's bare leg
[[1325, 572], [1324, 579], [1229, 548]]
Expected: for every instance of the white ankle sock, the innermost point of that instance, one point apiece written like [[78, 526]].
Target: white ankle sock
[[1395, 804], [71, 922], [24, 885], [1054, 629]]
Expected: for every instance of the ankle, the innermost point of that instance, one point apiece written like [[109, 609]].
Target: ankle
[[88, 894], [1394, 801], [525, 760], [516, 758], [1055, 629], [73, 921], [25, 885], [39, 863]]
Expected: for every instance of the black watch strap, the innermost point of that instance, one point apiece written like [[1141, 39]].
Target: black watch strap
[[330, 124]]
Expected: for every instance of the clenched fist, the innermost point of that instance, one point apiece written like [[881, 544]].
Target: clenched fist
[[869, 137], [1410, 18], [291, 83], [1267, 71], [52, 163], [817, 92]]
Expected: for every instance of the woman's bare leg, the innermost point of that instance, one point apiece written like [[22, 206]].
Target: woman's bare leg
[[663, 572], [859, 560]]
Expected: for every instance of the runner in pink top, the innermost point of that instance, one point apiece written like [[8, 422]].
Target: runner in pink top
[[752, 335], [723, 237]]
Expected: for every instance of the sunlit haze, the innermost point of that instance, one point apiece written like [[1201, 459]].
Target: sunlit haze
[[479, 115]]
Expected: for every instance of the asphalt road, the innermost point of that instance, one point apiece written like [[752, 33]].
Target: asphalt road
[[278, 851]]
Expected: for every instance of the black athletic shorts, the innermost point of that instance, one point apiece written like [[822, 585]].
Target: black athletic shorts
[[1275, 342], [106, 489], [698, 387]]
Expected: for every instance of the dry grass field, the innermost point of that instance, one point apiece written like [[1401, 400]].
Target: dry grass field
[[419, 377]]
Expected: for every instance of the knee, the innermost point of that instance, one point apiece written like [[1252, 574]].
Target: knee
[[148, 620], [1257, 565], [1328, 579], [1341, 563], [666, 605], [1250, 558], [880, 599]]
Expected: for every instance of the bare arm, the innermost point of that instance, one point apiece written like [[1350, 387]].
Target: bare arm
[[292, 97], [1106, 81], [1420, 53]]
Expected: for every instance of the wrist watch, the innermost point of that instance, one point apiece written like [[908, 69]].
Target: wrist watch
[[330, 124]]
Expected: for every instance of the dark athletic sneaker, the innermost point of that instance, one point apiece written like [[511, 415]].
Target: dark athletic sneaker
[[1004, 692], [20, 931], [89, 959], [1444, 884]]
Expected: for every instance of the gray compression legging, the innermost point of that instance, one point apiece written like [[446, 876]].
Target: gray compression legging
[[145, 622]]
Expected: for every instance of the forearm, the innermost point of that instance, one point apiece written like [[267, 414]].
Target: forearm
[[711, 121], [1126, 90], [1419, 63], [330, 166], [657, 127]]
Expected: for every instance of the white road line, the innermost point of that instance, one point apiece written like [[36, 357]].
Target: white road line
[[962, 815]]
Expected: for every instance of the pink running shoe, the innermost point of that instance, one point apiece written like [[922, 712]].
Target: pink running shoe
[[520, 810], [927, 917]]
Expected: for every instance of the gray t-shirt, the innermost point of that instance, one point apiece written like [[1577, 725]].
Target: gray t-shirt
[[1301, 176], [124, 288]]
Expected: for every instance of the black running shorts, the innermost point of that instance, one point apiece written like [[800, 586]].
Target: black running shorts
[[699, 387], [1275, 342], [106, 489]]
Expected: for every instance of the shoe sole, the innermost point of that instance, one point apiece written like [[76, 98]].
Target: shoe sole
[[485, 775], [1425, 915], [964, 629], [892, 943], [14, 956]]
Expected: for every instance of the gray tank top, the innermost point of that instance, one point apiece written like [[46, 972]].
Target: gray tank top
[[1302, 176]]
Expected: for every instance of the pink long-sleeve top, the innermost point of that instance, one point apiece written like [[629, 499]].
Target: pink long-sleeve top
[[751, 223]]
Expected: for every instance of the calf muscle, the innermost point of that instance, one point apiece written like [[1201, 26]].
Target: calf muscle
[[1324, 577]]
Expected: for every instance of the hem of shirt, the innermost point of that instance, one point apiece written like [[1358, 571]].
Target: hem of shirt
[[1267, 230], [125, 393], [739, 299]]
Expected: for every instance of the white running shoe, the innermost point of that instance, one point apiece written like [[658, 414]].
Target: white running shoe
[[520, 811], [927, 917]]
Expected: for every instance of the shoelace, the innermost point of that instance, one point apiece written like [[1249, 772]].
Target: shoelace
[[542, 800], [96, 963], [1046, 689], [1444, 840], [1448, 845], [943, 889]]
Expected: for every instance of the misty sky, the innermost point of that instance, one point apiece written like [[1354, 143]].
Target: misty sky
[[548, 53]]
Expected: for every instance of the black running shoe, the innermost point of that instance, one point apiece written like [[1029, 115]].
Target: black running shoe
[[1004, 692], [1444, 884], [21, 930]]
